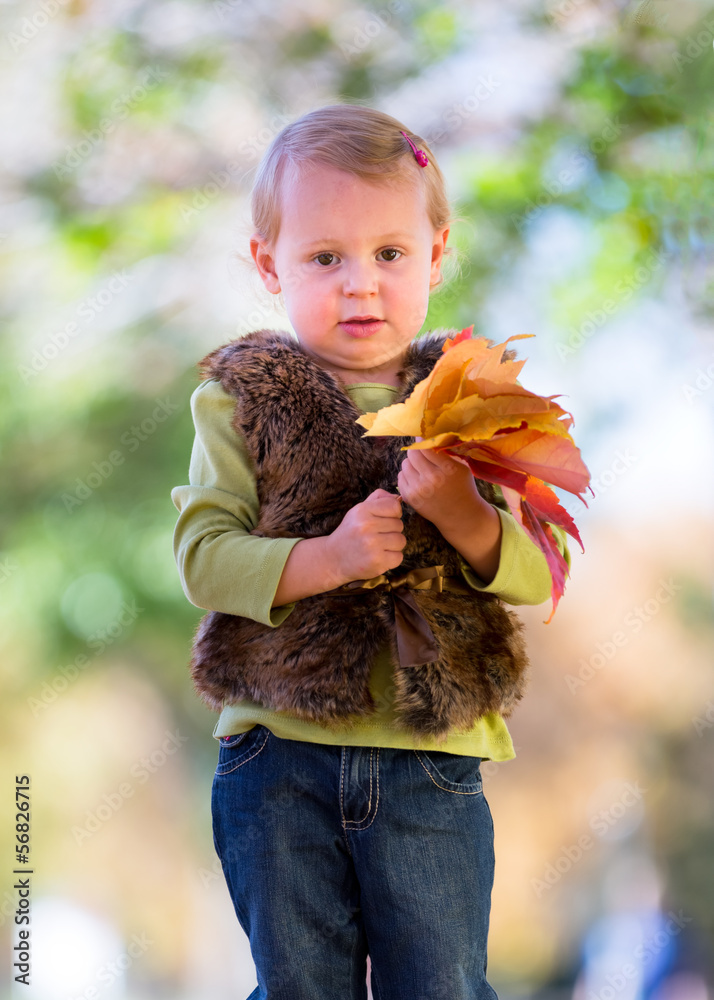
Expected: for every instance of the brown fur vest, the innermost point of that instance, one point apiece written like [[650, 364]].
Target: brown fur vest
[[312, 465]]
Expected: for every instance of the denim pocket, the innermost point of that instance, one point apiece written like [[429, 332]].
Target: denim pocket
[[235, 751], [453, 772]]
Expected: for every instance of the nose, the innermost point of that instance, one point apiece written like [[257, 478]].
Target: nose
[[360, 278]]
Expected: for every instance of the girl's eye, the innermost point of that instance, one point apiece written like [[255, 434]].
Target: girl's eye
[[392, 254]]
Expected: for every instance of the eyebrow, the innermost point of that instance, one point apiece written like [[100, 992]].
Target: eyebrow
[[390, 237]]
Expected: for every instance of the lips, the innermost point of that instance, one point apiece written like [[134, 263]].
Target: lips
[[364, 327]]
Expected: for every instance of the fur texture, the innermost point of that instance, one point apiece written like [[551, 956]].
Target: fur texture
[[312, 464]]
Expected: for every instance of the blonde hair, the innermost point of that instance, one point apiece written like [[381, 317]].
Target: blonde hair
[[352, 137]]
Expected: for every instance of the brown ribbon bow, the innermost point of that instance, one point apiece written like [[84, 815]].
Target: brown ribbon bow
[[415, 640]]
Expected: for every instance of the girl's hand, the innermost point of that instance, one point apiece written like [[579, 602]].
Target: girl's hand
[[369, 540], [439, 486]]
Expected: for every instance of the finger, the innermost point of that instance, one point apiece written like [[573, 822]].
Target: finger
[[380, 496], [421, 460], [388, 506], [395, 529]]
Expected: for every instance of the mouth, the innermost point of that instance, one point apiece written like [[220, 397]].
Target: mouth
[[362, 326]]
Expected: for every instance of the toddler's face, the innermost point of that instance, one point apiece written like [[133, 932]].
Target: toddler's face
[[351, 248]]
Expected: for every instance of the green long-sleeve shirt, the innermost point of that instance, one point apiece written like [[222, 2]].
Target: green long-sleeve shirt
[[225, 568]]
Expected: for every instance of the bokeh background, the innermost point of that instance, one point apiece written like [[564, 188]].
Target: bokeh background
[[576, 139]]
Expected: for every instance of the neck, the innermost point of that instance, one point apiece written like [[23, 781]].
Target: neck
[[382, 379], [350, 376]]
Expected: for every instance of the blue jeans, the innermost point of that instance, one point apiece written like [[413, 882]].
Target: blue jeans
[[331, 853]]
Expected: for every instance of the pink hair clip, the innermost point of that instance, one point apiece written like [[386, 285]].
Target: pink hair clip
[[419, 154]]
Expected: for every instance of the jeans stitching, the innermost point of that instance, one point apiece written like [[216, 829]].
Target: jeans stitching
[[454, 791], [243, 760], [342, 787], [237, 738], [369, 797], [356, 824], [376, 803]]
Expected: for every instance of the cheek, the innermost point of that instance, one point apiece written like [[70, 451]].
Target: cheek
[[414, 308], [420, 273], [318, 294], [312, 299]]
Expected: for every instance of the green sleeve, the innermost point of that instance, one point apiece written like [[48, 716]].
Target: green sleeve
[[221, 565], [522, 576]]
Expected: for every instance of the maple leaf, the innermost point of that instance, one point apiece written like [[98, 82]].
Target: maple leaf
[[472, 407]]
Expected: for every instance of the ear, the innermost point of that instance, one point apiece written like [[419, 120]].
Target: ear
[[265, 262], [437, 254]]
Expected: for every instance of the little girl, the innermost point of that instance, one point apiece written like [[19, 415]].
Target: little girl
[[357, 643]]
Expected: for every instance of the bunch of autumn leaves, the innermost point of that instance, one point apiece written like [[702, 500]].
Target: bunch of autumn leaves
[[472, 407]]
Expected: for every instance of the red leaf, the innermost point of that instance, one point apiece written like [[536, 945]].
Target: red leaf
[[495, 473], [464, 335], [544, 502], [542, 535]]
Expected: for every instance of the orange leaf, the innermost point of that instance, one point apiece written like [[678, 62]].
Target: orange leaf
[[472, 406]]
